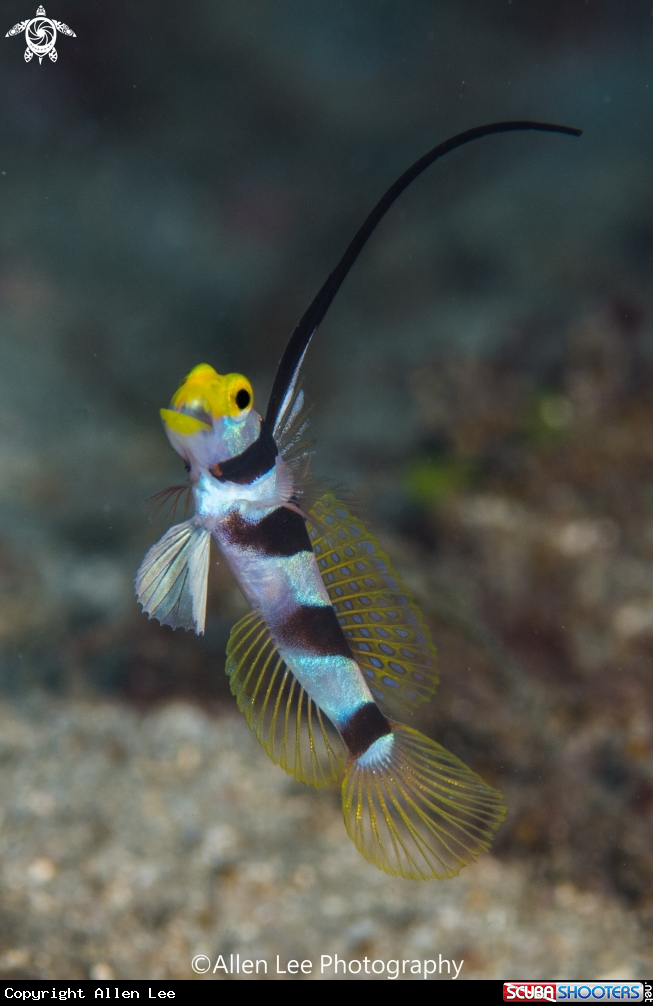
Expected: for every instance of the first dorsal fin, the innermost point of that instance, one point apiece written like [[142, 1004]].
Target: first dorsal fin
[[382, 624], [293, 730], [287, 376]]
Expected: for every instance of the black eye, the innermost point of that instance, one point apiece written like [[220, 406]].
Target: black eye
[[243, 398]]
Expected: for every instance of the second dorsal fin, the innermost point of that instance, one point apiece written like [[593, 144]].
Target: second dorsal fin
[[382, 624]]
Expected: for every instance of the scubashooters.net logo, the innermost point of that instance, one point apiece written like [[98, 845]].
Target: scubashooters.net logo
[[40, 35], [575, 992]]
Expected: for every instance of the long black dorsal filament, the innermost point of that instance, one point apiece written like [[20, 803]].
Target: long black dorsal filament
[[320, 304]]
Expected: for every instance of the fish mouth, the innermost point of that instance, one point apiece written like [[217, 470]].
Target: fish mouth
[[198, 408], [186, 422], [192, 409]]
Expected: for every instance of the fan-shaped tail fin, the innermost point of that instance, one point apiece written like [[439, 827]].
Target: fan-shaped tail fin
[[415, 810]]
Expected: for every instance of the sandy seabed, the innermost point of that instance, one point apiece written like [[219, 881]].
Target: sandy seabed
[[131, 844]]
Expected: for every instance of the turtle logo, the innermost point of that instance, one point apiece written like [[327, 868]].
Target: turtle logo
[[40, 35]]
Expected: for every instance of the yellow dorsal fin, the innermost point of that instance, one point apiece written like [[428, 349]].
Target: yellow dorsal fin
[[382, 624], [293, 730]]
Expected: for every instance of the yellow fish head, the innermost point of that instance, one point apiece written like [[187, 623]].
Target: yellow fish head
[[205, 396]]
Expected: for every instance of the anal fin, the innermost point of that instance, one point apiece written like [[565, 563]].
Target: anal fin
[[293, 730]]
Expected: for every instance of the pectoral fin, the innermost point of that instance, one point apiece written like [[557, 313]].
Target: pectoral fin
[[171, 583]]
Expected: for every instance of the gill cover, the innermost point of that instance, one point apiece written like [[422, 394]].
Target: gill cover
[[205, 395]]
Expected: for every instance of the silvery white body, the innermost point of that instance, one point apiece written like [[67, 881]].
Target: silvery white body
[[279, 585]]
